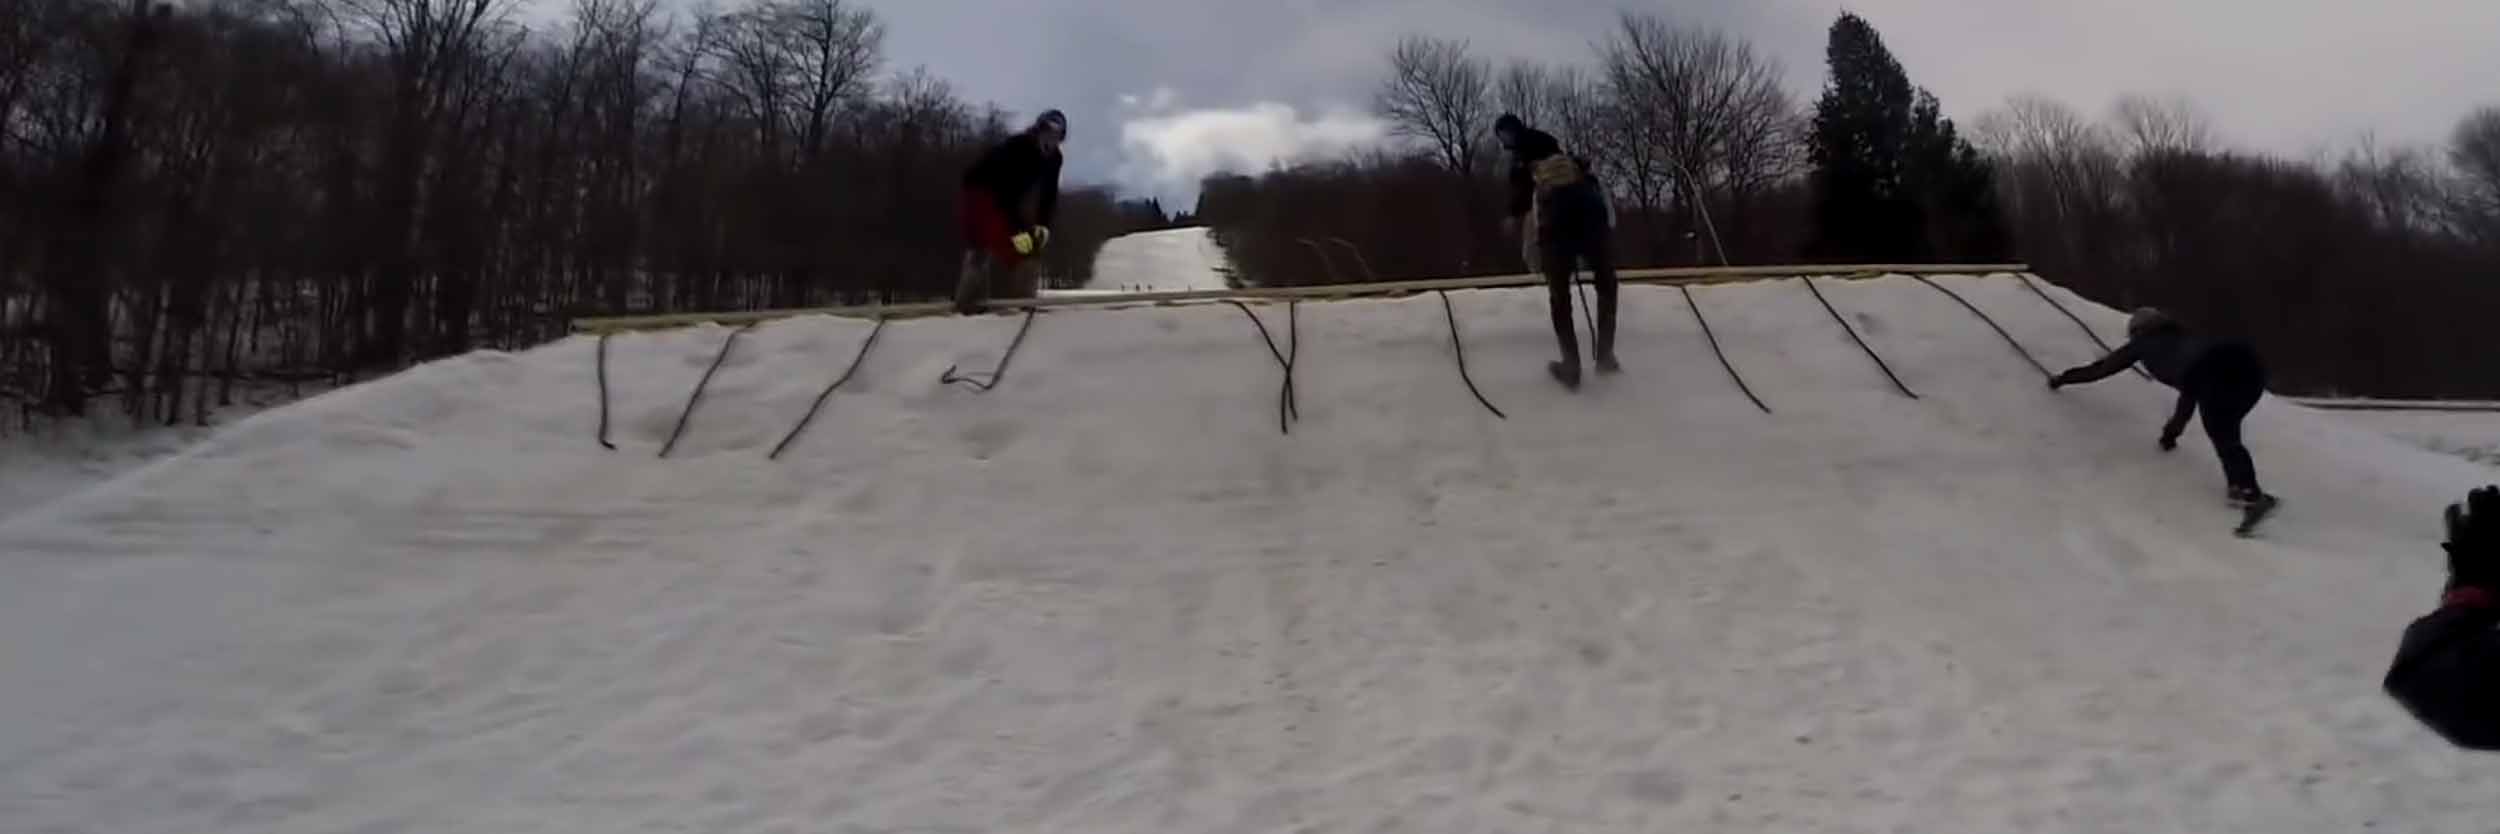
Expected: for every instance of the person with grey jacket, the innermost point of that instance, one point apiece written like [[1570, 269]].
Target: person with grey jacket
[[2224, 379]]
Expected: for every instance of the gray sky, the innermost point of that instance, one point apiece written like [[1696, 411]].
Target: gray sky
[[1160, 92]]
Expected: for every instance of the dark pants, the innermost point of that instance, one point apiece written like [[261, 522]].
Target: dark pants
[[1574, 230], [991, 266], [2228, 382]]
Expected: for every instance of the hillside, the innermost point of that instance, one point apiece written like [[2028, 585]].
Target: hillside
[[1110, 595]]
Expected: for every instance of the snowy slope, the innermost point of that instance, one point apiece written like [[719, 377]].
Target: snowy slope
[[2472, 435], [55, 462], [1110, 596], [63, 457], [1167, 259]]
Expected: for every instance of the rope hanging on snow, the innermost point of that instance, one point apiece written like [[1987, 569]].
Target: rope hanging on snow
[[1460, 347], [1287, 409], [1992, 324], [697, 397], [987, 381], [603, 392], [810, 417], [2078, 320], [1293, 355], [1707, 333], [1587, 318], [1854, 337]]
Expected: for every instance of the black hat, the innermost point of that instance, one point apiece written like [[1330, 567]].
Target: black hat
[[1508, 122], [1056, 120]]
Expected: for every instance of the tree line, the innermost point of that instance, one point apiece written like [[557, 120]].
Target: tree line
[[256, 191], [2372, 273], [2365, 275]]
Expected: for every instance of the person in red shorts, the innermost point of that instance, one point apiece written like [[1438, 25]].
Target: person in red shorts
[[1005, 211]]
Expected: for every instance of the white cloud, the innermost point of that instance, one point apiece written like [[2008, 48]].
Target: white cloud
[[1166, 149], [2282, 76]]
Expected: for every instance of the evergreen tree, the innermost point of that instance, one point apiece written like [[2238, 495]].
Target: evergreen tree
[[1893, 179], [1861, 124], [1955, 190]]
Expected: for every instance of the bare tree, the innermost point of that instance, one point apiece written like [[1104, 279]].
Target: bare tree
[[2057, 170], [836, 48], [2034, 125], [1765, 145], [1439, 94], [2073, 156], [2153, 125], [1636, 163], [754, 68], [428, 45], [1692, 91], [25, 44], [1575, 112], [2475, 151], [2400, 186], [1525, 89], [300, 190]]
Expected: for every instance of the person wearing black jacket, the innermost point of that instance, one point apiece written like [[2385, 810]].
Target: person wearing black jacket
[[1559, 212], [1000, 232], [2224, 378], [2447, 669]]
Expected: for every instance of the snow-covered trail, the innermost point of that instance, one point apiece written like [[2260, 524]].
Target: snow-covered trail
[[1111, 596], [1167, 259]]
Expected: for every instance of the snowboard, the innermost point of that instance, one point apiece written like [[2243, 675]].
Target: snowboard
[[2256, 514]]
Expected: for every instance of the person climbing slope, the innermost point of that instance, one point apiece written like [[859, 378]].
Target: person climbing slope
[[2447, 669], [2224, 378], [1008, 198], [1559, 212]]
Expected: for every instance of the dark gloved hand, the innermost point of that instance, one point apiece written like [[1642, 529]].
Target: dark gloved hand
[[2474, 541], [2169, 442]]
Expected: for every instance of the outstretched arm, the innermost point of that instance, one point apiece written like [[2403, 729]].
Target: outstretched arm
[[2178, 418], [2116, 361]]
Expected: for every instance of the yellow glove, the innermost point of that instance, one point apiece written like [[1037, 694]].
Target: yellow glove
[[1028, 241]]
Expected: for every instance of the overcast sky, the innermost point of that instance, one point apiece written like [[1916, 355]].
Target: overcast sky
[[1161, 92]]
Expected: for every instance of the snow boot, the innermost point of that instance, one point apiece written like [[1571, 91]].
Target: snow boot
[[1606, 364], [2258, 508], [1567, 373]]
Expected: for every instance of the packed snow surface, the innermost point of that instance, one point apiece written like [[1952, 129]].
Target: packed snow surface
[[1111, 596], [59, 458], [1169, 259], [2472, 435], [53, 462]]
